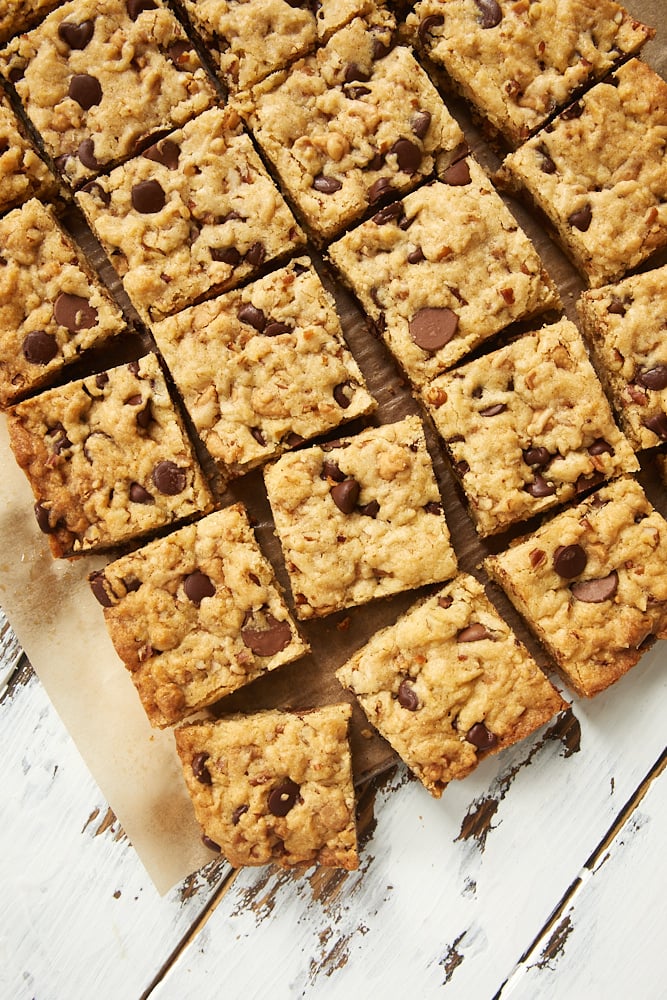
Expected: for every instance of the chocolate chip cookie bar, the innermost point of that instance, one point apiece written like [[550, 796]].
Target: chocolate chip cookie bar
[[625, 324], [449, 683], [97, 77], [107, 459], [274, 786], [196, 615], [350, 125], [591, 584], [517, 62], [23, 173], [527, 427], [263, 369], [443, 270], [598, 173], [52, 307], [195, 214], [360, 518]]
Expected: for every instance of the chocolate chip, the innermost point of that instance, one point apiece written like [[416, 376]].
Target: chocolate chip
[[345, 495], [197, 586], [169, 478], [389, 213], [74, 312], [596, 591], [427, 25], [43, 517], [616, 306], [144, 416], [581, 219], [407, 697], [547, 165], [137, 7], [370, 509], [256, 254], [356, 91], [148, 197], [226, 255], [86, 153], [39, 347], [165, 152], [211, 844], [481, 737], [274, 328], [433, 507], [445, 601], [376, 162], [433, 328], [569, 561], [536, 457], [473, 633], [354, 72], [342, 394], [238, 812], [283, 797], [331, 471], [97, 582], [86, 90], [416, 256], [653, 378], [200, 770], [408, 155], [420, 123], [76, 35], [378, 189], [600, 447], [584, 483], [326, 184], [491, 14], [458, 174], [101, 379], [258, 436], [269, 640], [494, 410], [178, 50], [293, 440], [540, 488], [657, 424], [138, 494], [574, 111], [254, 317], [95, 190]]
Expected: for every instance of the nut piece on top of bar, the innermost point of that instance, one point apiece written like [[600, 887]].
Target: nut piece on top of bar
[[107, 458], [598, 173], [97, 77], [274, 786], [196, 615], [195, 214], [527, 427], [591, 584], [351, 125], [52, 306], [625, 324], [360, 518], [264, 368], [519, 62], [23, 173], [449, 683], [443, 270]]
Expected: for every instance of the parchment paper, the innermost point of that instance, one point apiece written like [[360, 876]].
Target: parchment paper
[[61, 627]]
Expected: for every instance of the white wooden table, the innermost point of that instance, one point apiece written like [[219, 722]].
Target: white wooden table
[[541, 875]]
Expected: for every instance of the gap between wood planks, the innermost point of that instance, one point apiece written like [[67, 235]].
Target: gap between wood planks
[[550, 938]]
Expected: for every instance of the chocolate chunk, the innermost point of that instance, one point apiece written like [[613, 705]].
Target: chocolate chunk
[[43, 517], [378, 189], [39, 347], [256, 254], [178, 52], [458, 174], [657, 424], [616, 307], [148, 197], [540, 487], [581, 219], [407, 697], [226, 255], [293, 440], [97, 582], [144, 416], [481, 737], [95, 190], [600, 447], [165, 152], [547, 165], [137, 7], [536, 457], [433, 328], [596, 591], [342, 394], [420, 123], [138, 494], [494, 410], [283, 797], [345, 495], [86, 90], [86, 153], [274, 328], [490, 13], [200, 770], [427, 25], [416, 256], [74, 312], [389, 213], [331, 471], [169, 478], [101, 379], [76, 35], [473, 633], [197, 586], [575, 110], [653, 378], [258, 436], [270, 639], [446, 601], [354, 73], [433, 507], [254, 317], [326, 184], [211, 844], [356, 91], [376, 162], [569, 561], [408, 155], [584, 483], [370, 509], [238, 812]]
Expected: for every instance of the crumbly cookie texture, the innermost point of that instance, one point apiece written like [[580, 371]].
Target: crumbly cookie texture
[[196, 615], [519, 62], [19, 15], [350, 125], [360, 518], [449, 683], [528, 427], [195, 214], [52, 307], [598, 172], [626, 325], [23, 173], [443, 270], [264, 368], [98, 76], [591, 583], [107, 459], [274, 786]]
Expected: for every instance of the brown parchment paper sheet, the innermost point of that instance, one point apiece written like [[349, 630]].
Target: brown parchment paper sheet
[[61, 627]]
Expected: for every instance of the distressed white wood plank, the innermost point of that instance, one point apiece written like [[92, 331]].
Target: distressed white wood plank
[[591, 951], [10, 652], [450, 893], [80, 916]]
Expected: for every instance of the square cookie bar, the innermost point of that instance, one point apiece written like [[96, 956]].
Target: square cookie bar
[[350, 125], [519, 62], [360, 518], [598, 173], [195, 214], [527, 427], [107, 459], [443, 270], [591, 584], [626, 324], [23, 173], [264, 368], [196, 615], [97, 77], [52, 307], [449, 683], [274, 786]]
